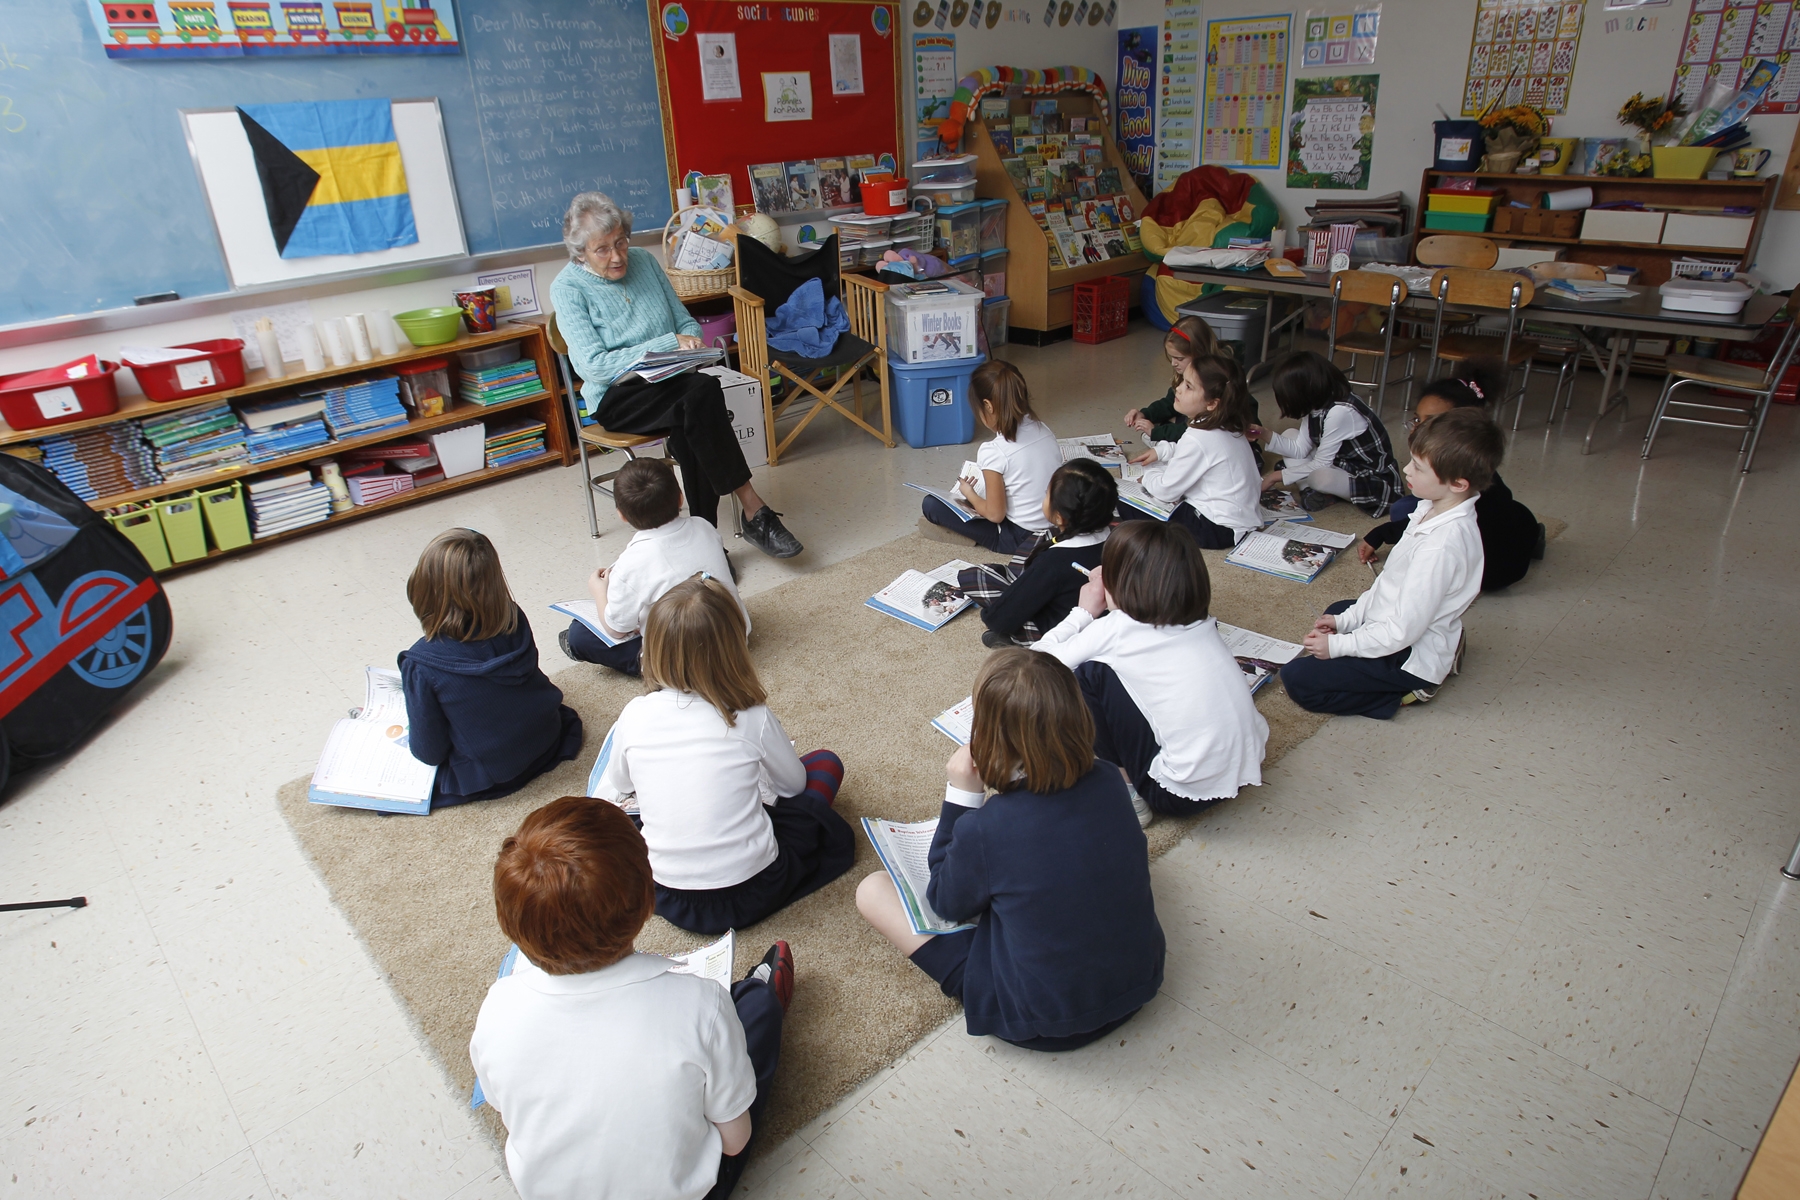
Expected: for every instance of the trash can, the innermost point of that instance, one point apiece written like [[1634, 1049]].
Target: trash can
[[931, 400], [1236, 319]]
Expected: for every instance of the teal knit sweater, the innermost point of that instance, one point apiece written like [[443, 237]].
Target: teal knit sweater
[[609, 326]]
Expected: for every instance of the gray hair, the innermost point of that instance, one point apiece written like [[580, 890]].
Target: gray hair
[[591, 215]]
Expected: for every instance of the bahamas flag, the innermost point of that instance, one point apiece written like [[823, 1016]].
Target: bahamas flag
[[331, 176]]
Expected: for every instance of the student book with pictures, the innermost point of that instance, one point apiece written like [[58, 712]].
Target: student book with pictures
[[905, 850], [367, 761], [928, 599], [957, 503], [1260, 655], [588, 613], [1290, 551]]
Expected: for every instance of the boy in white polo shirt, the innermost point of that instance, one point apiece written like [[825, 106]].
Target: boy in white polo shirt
[[667, 549], [616, 1079], [1397, 643]]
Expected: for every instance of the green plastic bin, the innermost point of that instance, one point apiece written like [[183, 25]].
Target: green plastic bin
[[226, 519], [140, 523], [1458, 222], [183, 526]]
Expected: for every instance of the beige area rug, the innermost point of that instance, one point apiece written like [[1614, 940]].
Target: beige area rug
[[839, 675]]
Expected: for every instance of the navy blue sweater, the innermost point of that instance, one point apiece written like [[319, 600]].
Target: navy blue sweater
[[1045, 591], [1068, 939], [484, 714]]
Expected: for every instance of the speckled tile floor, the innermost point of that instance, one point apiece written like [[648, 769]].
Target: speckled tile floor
[[1528, 941]]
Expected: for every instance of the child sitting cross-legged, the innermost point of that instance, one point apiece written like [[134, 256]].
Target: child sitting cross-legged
[[1187, 339], [1051, 868], [666, 549], [1212, 469], [1022, 598], [614, 1076], [478, 707], [1397, 643], [1341, 450], [738, 824], [1170, 707], [1015, 466]]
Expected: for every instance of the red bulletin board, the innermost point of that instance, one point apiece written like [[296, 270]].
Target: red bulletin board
[[719, 135]]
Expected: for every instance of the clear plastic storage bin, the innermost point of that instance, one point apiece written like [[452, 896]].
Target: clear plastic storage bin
[[959, 232], [931, 320], [993, 272], [993, 225]]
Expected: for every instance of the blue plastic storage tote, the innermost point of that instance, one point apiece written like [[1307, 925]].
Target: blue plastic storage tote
[[931, 400]]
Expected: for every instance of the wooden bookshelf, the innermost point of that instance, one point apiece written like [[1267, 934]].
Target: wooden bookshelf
[[544, 405], [1043, 299], [1652, 259]]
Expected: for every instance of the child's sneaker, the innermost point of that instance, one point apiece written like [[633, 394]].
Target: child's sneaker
[[1420, 696], [998, 641], [1144, 815], [1314, 501], [1456, 659], [777, 970], [1543, 539], [562, 641], [938, 533]]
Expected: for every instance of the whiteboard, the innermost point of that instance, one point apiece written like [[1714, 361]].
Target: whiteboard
[[227, 169]]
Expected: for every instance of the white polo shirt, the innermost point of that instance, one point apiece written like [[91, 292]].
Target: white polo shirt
[[1418, 600], [701, 785], [610, 1082], [655, 560], [1025, 462], [1300, 458], [1213, 470]]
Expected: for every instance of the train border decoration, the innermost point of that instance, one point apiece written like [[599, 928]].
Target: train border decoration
[[153, 29]]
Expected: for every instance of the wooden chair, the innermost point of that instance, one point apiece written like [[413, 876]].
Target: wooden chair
[[1376, 288], [600, 438], [765, 281], [1457, 250], [1554, 268], [1756, 383], [1544, 272], [1497, 291]]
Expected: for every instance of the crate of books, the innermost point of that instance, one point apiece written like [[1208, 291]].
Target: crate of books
[[183, 526], [932, 319], [226, 518]]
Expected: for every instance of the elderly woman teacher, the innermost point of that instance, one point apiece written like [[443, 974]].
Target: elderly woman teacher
[[614, 305]]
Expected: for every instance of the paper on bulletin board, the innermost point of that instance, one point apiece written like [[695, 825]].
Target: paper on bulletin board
[[1180, 98], [719, 66], [934, 83], [1724, 40], [846, 64], [1246, 90], [1522, 52], [787, 95], [1340, 38], [1332, 140], [288, 320]]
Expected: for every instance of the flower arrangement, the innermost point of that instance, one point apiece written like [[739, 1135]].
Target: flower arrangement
[[1652, 117], [1527, 120], [1512, 133]]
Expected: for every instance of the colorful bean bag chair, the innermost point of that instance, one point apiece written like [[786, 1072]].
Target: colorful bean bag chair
[[1207, 207]]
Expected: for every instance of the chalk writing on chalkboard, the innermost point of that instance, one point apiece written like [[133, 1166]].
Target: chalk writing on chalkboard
[[566, 104]]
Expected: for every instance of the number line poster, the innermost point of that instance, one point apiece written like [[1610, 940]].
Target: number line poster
[[1723, 41], [1246, 90], [1522, 52]]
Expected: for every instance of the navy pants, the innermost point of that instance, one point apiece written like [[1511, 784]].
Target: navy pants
[[944, 956], [1005, 537], [586, 645], [1351, 687], [761, 1014], [1124, 738], [1208, 535], [691, 410]]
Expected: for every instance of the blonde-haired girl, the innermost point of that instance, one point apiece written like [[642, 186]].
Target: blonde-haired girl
[[737, 824]]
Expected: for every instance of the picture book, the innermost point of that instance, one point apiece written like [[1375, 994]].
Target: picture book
[[666, 364], [1093, 156], [1289, 551], [1002, 138], [1102, 448], [1132, 492], [1257, 653], [1279, 504], [1133, 243], [1078, 124], [1084, 188], [905, 850], [1021, 123], [1056, 216], [1107, 180], [803, 186], [1106, 214], [1040, 213], [929, 600], [367, 761], [834, 183], [1055, 255], [994, 108], [859, 165], [1015, 171], [1114, 243], [769, 182], [714, 191], [588, 613], [957, 722]]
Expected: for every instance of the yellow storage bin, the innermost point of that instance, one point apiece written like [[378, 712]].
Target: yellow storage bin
[[226, 519], [1462, 202], [141, 524], [183, 526]]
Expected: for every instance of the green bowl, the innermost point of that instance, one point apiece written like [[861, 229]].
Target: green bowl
[[429, 326]]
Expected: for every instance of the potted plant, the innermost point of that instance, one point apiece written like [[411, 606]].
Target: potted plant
[[1510, 134]]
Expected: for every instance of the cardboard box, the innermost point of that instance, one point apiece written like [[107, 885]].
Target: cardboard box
[[1622, 225], [744, 404], [1706, 229]]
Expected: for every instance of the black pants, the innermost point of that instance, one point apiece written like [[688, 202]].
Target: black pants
[[944, 958], [691, 409], [1351, 687], [566, 746], [1208, 535], [586, 646], [761, 1014], [814, 846], [1004, 537], [1124, 738]]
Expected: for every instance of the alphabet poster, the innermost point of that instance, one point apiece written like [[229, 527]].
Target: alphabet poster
[[1332, 138]]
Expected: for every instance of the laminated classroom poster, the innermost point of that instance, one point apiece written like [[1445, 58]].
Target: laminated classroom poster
[[1340, 37], [934, 84], [1725, 39], [1331, 143], [1522, 52], [1178, 115], [1134, 104], [1245, 93]]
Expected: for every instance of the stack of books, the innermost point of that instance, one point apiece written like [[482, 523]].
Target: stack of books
[[497, 385], [287, 426], [363, 406], [514, 441], [1384, 214], [100, 462], [279, 503], [197, 441]]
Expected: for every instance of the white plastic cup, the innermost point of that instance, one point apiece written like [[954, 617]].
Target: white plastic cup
[[381, 329], [270, 345], [359, 338], [1277, 241], [337, 341], [312, 354]]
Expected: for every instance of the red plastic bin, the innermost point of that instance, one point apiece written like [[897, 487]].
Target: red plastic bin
[[1102, 308], [217, 366], [49, 402]]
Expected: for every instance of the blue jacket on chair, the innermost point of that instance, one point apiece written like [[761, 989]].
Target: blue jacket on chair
[[484, 714]]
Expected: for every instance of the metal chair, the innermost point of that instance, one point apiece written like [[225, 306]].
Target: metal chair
[[1757, 383], [1375, 288], [600, 438], [1502, 291], [1569, 358]]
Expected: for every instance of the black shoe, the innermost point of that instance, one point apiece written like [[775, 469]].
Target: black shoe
[[998, 641], [1537, 549], [766, 532], [562, 640], [777, 970], [1314, 501]]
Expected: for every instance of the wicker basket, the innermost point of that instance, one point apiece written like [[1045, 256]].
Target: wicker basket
[[689, 284]]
